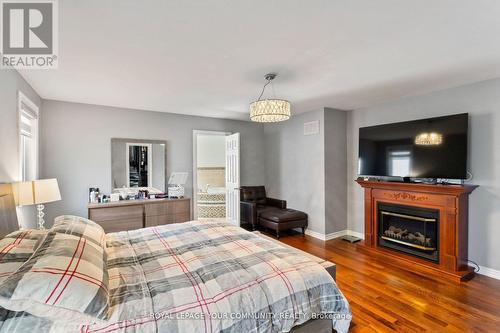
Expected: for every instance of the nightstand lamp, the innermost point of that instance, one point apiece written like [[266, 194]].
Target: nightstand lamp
[[36, 192]]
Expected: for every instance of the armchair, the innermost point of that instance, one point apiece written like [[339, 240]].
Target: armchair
[[254, 201]]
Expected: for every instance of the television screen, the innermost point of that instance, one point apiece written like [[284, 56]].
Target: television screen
[[426, 148]]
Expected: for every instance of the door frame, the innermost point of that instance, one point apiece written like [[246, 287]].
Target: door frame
[[233, 144], [195, 164]]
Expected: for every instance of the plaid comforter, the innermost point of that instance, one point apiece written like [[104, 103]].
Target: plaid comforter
[[204, 277]]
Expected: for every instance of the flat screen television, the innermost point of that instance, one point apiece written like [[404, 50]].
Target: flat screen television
[[425, 148]]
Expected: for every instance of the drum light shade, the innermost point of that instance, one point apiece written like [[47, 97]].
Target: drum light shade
[[270, 110]]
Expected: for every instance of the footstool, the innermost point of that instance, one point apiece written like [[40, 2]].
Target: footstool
[[283, 219]]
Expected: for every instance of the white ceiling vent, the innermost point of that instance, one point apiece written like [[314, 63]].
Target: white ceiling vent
[[311, 128]]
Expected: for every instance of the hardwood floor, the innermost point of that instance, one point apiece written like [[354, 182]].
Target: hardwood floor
[[385, 298]]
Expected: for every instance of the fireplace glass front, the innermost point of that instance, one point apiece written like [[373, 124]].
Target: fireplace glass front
[[412, 230]]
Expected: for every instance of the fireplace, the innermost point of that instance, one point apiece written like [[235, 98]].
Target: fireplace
[[412, 230], [419, 227]]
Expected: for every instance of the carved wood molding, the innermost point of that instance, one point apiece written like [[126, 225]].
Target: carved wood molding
[[406, 196]]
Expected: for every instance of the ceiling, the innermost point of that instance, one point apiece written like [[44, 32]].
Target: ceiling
[[209, 57]]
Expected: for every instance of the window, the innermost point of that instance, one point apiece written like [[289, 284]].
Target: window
[[400, 163], [28, 138]]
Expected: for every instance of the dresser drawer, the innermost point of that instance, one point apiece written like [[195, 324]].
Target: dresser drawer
[[121, 225], [152, 221], [182, 207], [167, 219], [116, 213], [155, 209], [182, 217]]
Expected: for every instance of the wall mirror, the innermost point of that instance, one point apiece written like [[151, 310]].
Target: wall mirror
[[138, 163]]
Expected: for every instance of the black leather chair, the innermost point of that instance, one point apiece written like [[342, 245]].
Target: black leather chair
[[254, 201]]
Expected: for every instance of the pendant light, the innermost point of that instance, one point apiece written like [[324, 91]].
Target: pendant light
[[269, 110]]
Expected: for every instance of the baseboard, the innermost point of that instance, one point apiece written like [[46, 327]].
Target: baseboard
[[356, 234], [316, 234], [490, 272], [334, 235], [337, 234]]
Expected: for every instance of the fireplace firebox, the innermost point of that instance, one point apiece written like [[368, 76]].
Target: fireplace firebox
[[412, 230]]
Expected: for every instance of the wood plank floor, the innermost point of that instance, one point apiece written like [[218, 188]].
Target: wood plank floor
[[385, 298]]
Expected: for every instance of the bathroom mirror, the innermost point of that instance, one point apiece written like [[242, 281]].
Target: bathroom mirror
[[138, 163]]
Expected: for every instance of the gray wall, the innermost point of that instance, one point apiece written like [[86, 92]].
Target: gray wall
[[10, 84], [482, 102], [77, 149], [335, 170], [295, 166], [211, 151]]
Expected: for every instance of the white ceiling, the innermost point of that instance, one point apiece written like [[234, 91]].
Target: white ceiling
[[209, 57]]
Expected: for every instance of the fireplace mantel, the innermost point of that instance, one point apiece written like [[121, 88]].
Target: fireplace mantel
[[452, 203]]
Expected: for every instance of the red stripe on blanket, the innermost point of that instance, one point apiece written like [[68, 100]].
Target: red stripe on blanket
[[220, 296], [73, 273], [284, 278], [216, 298], [188, 260], [190, 277], [78, 275], [65, 272], [19, 238], [62, 270]]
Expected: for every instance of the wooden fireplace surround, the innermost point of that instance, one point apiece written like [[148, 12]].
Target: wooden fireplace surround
[[452, 203]]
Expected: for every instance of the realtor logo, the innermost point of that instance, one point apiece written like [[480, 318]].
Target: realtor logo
[[29, 34]]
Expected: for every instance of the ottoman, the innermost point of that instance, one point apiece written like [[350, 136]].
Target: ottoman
[[283, 219]]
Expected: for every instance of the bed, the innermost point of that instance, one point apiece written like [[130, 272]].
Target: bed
[[186, 277]]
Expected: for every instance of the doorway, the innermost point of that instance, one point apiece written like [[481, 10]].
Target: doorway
[[209, 174]]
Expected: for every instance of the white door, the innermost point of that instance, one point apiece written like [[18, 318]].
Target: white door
[[233, 178]]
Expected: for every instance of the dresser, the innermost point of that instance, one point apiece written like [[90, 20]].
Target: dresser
[[136, 214]]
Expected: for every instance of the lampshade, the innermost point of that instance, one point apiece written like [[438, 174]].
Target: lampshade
[[23, 193], [270, 110], [46, 190], [36, 192]]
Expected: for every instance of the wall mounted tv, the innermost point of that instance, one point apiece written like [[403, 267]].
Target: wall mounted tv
[[426, 148]]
